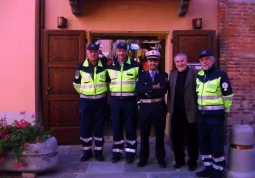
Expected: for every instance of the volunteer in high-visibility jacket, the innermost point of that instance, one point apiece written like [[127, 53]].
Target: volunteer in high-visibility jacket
[[214, 97], [90, 83], [123, 73]]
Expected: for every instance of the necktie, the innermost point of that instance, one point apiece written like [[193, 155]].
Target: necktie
[[152, 76]]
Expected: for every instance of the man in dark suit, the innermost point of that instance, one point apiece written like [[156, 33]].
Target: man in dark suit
[[182, 112], [151, 87]]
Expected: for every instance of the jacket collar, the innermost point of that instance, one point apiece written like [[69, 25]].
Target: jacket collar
[[205, 72], [127, 61], [86, 63]]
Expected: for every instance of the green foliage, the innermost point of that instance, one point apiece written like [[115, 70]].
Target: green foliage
[[18, 136]]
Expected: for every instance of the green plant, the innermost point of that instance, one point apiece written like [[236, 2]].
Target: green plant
[[17, 137]]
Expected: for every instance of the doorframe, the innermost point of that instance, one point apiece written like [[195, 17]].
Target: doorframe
[[161, 35]]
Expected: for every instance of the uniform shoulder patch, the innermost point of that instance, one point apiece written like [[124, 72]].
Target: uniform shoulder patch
[[77, 74], [225, 85]]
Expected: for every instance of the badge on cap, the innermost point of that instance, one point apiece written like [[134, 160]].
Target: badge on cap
[[225, 85], [77, 74]]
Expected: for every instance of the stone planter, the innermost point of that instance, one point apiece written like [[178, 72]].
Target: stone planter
[[40, 157]]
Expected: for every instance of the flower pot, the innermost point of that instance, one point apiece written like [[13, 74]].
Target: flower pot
[[40, 157]]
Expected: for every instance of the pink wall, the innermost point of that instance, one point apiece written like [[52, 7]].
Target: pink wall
[[135, 15], [17, 58], [143, 15]]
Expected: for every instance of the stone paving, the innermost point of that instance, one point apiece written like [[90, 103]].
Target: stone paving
[[70, 167]]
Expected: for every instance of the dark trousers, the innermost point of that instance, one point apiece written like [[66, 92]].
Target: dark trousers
[[182, 130], [92, 113], [124, 112], [152, 114], [211, 141]]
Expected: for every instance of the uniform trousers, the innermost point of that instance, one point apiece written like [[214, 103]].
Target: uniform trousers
[[152, 114], [124, 113], [92, 113], [211, 140]]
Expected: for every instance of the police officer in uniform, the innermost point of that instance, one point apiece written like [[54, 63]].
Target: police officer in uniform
[[214, 97], [151, 87], [90, 83], [123, 73]]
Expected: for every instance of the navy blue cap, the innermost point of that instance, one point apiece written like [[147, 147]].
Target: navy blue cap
[[205, 53], [122, 45], [93, 46]]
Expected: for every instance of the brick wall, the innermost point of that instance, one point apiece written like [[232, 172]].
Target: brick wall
[[237, 56]]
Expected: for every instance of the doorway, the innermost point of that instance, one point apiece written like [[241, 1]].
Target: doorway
[[138, 45]]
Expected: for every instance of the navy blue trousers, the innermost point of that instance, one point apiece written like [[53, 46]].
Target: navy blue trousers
[[124, 113], [92, 113], [211, 140], [152, 114]]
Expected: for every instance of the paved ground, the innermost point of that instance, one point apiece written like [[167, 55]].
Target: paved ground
[[70, 167]]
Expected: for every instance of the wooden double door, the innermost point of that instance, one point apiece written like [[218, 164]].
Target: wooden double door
[[62, 52]]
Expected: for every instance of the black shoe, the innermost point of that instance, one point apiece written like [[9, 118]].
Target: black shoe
[[141, 163], [192, 167], [130, 159], [217, 174], [85, 157], [162, 164], [179, 165], [206, 172], [99, 157], [115, 159]]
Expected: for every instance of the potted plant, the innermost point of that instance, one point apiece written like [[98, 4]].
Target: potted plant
[[26, 147]]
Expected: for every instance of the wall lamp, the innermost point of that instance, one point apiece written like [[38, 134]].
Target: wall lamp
[[62, 22], [197, 23]]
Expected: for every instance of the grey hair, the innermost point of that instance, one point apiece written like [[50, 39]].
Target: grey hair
[[181, 55], [212, 58]]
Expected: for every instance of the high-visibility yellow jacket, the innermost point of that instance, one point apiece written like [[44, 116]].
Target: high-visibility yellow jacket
[[85, 84], [214, 91], [123, 77]]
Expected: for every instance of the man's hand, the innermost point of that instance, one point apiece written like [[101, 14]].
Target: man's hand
[[155, 87]]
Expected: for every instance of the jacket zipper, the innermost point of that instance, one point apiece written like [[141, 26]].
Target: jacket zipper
[[202, 94], [121, 70], [94, 80]]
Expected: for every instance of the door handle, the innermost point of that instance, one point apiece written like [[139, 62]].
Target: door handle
[[47, 90]]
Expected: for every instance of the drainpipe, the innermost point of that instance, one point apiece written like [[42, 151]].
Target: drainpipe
[[41, 26]]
